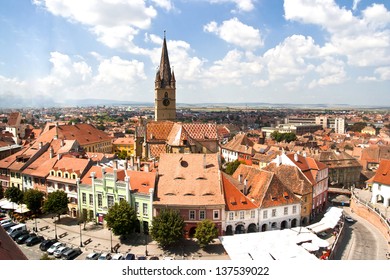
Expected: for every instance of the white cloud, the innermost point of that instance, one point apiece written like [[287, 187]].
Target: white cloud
[[241, 5], [364, 40], [237, 33], [165, 4], [331, 72], [384, 73], [292, 57], [115, 22]]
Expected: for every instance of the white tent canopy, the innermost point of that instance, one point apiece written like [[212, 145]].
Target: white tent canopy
[[10, 206], [22, 209], [3, 201]]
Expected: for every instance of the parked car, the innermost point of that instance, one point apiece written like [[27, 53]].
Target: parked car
[[141, 257], [22, 239], [117, 257], [93, 256], [16, 234], [60, 250], [46, 244], [154, 258], [5, 220], [33, 240], [54, 247], [71, 254], [129, 256], [9, 225], [105, 256]]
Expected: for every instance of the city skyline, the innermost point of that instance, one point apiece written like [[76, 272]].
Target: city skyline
[[222, 51]]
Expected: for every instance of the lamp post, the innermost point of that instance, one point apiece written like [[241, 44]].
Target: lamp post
[[81, 240], [36, 226], [110, 239], [55, 229]]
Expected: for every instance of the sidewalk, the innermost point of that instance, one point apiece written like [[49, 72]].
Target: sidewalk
[[68, 231], [365, 195]]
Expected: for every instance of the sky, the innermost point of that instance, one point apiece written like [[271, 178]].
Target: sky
[[222, 51]]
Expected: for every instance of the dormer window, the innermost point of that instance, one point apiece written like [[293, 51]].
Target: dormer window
[[52, 173]]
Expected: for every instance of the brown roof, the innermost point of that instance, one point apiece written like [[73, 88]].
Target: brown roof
[[84, 133], [240, 143], [189, 179], [309, 166], [382, 175], [264, 187], [292, 177], [337, 159], [13, 119], [201, 131], [158, 131], [124, 141], [235, 199]]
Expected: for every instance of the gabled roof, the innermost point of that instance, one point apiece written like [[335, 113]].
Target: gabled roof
[[14, 119], [382, 175], [189, 179], [85, 134], [264, 187], [234, 198], [201, 131], [292, 177], [241, 144], [158, 131], [124, 141]]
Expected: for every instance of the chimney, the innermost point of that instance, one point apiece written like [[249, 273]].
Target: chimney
[[295, 156], [146, 167], [58, 156], [115, 164], [240, 178], [51, 151], [40, 145], [245, 186], [138, 163], [304, 154], [62, 142], [132, 163]]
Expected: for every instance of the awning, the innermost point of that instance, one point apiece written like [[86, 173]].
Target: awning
[[22, 209], [4, 201], [10, 206]]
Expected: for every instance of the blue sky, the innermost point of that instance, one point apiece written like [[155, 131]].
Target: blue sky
[[291, 51]]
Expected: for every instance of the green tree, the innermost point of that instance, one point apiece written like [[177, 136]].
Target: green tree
[[14, 194], [232, 166], [56, 203], [357, 127], [121, 218], [33, 200], [288, 137], [167, 227], [205, 233]]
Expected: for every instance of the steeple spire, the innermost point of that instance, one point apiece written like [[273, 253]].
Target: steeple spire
[[164, 71]]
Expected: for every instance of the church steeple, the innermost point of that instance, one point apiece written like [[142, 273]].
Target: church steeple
[[164, 74], [165, 88]]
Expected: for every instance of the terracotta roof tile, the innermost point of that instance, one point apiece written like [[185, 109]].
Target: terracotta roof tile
[[189, 179], [240, 143], [235, 199], [382, 175]]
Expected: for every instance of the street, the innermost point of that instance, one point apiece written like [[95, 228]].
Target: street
[[362, 241]]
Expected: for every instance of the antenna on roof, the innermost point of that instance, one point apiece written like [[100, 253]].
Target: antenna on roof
[[164, 33]]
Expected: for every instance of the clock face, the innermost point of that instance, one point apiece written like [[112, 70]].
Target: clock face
[[166, 102]]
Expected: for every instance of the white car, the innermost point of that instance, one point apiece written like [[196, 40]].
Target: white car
[[58, 253], [54, 247], [117, 257], [349, 219]]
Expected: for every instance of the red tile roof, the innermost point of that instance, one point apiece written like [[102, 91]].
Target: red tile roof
[[264, 187], [13, 119], [382, 175], [235, 199], [9, 250], [241, 144], [189, 180]]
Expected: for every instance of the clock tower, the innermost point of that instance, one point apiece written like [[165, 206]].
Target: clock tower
[[165, 89]]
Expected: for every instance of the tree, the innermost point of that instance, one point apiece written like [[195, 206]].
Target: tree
[[33, 199], [205, 232], [167, 227], [121, 218], [232, 166], [56, 203], [14, 194]]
